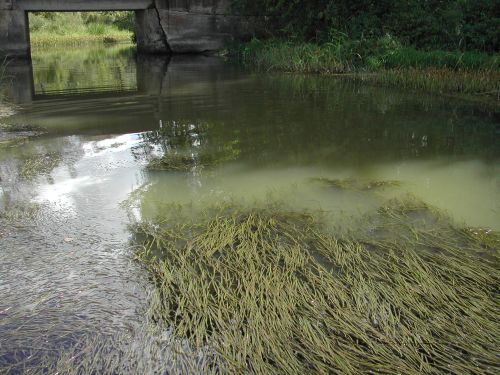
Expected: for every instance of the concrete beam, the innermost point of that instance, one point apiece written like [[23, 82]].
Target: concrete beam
[[214, 7], [81, 5]]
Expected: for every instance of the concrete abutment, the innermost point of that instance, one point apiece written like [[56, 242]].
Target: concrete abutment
[[162, 26]]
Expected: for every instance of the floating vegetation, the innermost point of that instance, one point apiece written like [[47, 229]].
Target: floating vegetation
[[356, 185], [267, 290], [39, 165]]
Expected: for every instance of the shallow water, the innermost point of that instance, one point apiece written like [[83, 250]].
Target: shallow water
[[66, 267]]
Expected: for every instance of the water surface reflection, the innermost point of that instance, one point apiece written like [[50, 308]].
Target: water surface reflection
[[65, 260]]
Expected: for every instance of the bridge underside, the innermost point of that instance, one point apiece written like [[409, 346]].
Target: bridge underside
[[162, 26]]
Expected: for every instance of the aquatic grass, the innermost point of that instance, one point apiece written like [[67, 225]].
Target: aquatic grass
[[137, 352], [480, 83], [269, 290], [17, 212], [484, 237], [354, 184], [37, 165]]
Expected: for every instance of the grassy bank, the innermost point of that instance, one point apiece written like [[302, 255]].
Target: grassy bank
[[383, 61], [75, 28]]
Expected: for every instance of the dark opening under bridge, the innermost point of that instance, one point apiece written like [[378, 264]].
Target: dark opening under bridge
[[162, 26]]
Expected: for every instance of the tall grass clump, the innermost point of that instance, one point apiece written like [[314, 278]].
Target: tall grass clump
[[284, 56], [269, 290]]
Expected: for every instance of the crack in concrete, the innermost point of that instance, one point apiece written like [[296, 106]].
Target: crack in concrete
[[165, 38]]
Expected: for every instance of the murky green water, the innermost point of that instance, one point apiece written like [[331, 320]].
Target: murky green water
[[66, 267]]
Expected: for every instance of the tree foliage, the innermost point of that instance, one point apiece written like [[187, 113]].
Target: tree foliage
[[427, 24]]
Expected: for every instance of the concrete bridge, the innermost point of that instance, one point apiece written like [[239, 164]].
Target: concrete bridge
[[162, 26]]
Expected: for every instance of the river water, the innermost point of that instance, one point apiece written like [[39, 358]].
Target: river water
[[66, 269]]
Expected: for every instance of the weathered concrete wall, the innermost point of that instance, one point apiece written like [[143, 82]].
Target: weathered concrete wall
[[193, 26], [162, 26], [19, 87], [150, 35], [14, 33], [196, 25]]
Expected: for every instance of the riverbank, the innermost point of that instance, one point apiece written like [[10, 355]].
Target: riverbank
[[380, 62]]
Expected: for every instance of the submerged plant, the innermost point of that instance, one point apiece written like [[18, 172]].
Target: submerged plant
[[356, 185], [39, 165], [275, 291], [17, 212]]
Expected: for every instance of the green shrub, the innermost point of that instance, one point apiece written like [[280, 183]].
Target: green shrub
[[430, 24]]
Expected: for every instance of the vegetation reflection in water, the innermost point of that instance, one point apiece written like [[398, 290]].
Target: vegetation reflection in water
[[95, 68], [337, 269]]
